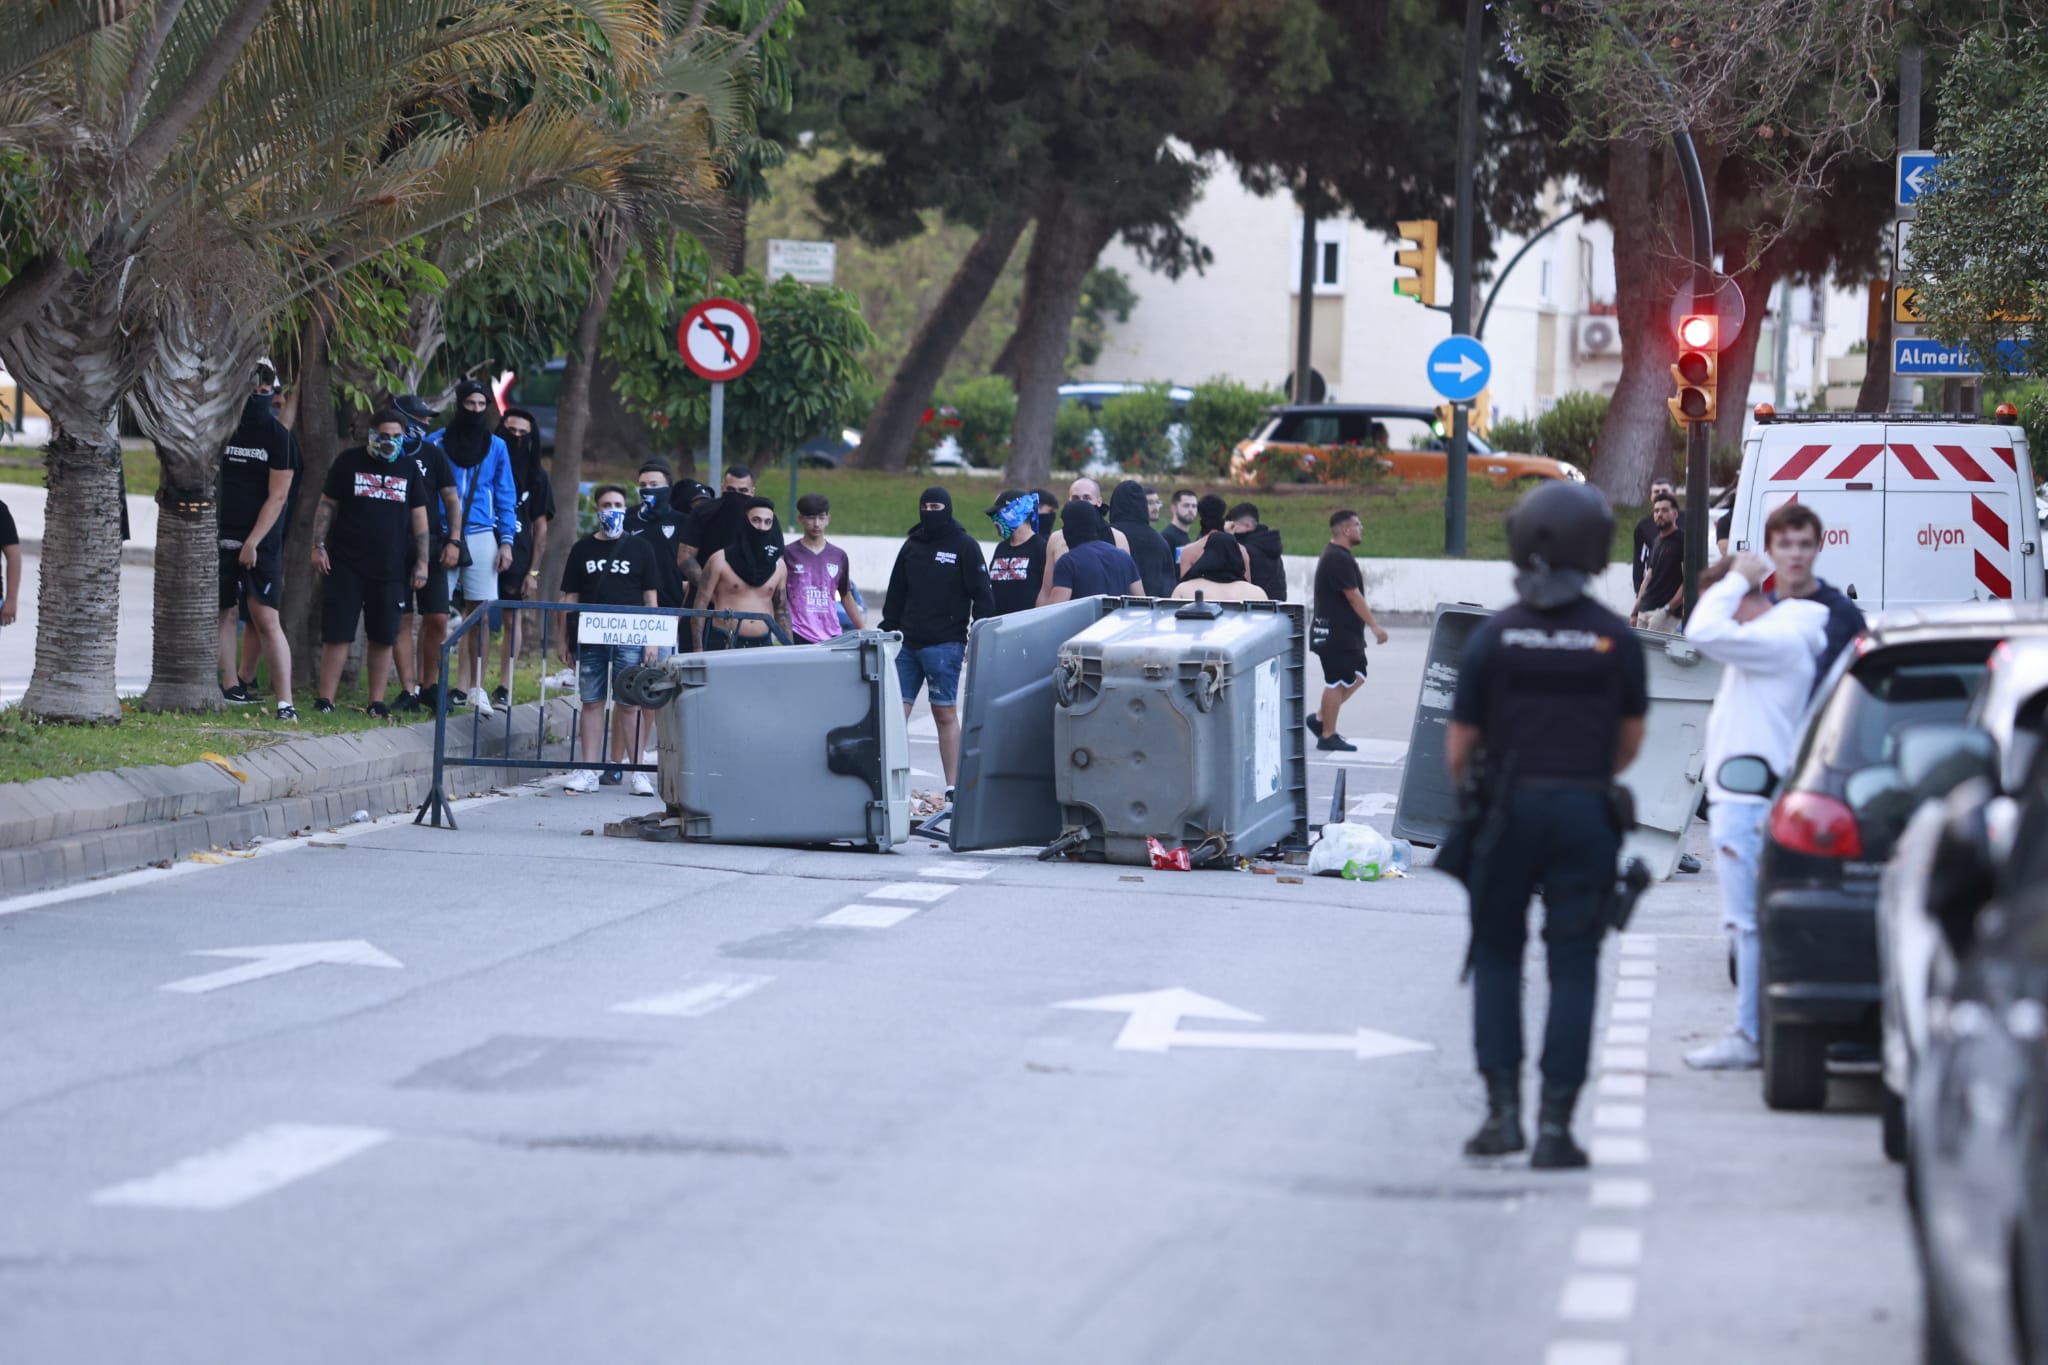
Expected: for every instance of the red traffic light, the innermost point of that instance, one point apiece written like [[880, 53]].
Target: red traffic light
[[1698, 332]]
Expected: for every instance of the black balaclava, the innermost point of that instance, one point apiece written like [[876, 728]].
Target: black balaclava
[[1082, 521], [1209, 512], [1046, 521], [257, 412], [1127, 505], [525, 452], [753, 554], [934, 527], [468, 436], [1221, 561]]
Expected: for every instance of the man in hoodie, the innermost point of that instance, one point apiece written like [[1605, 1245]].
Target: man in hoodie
[[750, 574], [1209, 527], [521, 434], [1767, 653], [1129, 512], [482, 469], [937, 587], [1262, 543], [1215, 573], [258, 467], [1792, 538], [1080, 490], [426, 607]]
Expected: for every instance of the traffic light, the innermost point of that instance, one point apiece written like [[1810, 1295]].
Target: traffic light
[[1420, 258], [1699, 345], [1480, 419]]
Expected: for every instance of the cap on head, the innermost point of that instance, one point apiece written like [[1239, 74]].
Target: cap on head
[[415, 408]]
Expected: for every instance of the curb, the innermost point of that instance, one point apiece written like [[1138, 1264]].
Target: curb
[[59, 830]]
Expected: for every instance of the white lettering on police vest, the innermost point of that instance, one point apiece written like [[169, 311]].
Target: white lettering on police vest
[[1589, 641]]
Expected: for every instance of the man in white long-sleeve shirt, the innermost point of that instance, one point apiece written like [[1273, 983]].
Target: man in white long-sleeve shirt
[[1768, 653]]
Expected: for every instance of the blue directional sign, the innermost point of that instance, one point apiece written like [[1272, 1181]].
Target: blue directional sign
[[1916, 175], [1925, 357], [1459, 368]]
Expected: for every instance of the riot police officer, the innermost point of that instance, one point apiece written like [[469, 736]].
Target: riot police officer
[[1549, 707]]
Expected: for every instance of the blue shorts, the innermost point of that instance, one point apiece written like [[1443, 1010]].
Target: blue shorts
[[938, 665], [597, 665]]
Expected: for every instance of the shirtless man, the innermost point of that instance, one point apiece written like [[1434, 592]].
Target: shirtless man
[[1082, 490], [749, 575]]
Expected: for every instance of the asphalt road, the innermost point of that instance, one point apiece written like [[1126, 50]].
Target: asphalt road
[[569, 1098]]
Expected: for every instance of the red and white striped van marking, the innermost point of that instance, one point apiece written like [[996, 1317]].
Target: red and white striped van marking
[[1999, 532]]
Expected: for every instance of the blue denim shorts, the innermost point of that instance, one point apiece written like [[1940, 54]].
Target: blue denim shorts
[[597, 665], [938, 665]]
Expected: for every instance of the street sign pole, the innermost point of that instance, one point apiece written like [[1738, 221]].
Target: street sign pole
[[717, 432], [1461, 276]]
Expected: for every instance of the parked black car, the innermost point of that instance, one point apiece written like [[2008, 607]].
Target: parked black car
[[1832, 827], [1978, 1101]]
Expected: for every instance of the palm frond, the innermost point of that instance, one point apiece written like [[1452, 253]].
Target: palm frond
[[31, 34]]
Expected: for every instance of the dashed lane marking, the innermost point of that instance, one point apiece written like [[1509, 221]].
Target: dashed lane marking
[[1627, 1035], [864, 916], [1626, 1117], [1629, 1009], [1619, 1192], [1625, 1059], [1634, 988], [1620, 1151], [1608, 1248], [1586, 1353], [254, 1165], [1598, 1298], [1635, 966], [961, 872], [1623, 1085], [924, 893], [705, 993]]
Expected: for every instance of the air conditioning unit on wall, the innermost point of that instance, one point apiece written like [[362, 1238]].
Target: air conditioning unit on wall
[[1596, 336]]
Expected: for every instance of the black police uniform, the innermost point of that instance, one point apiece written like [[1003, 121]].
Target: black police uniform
[[1548, 691]]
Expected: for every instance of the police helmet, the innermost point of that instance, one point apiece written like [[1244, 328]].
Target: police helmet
[[1564, 525]]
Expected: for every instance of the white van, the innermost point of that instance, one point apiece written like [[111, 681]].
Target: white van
[[1917, 510]]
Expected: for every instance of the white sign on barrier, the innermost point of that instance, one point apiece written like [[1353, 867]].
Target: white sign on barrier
[[626, 628]]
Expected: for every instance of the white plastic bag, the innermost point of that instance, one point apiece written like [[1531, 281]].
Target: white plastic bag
[[1356, 851]]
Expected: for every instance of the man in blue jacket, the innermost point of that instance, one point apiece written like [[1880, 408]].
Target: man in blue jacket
[[485, 487]]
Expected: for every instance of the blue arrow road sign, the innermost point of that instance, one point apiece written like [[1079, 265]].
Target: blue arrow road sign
[[1916, 175], [1459, 368], [1925, 357]]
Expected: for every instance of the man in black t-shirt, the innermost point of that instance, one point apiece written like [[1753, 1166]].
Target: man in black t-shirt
[[370, 545], [259, 466], [1337, 634], [419, 666], [610, 569], [536, 510], [1646, 534], [1016, 571], [10, 555], [1659, 601]]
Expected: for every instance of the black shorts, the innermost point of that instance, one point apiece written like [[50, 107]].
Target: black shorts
[[431, 600], [264, 583], [348, 595], [1342, 666], [512, 582]]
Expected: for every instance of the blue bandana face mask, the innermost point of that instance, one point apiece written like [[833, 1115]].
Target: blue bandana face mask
[[1015, 514], [612, 521], [384, 448]]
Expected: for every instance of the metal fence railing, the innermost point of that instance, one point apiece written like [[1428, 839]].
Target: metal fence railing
[[435, 810]]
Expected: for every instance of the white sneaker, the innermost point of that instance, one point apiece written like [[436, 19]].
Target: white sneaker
[[1735, 1051], [582, 780], [480, 700], [639, 785]]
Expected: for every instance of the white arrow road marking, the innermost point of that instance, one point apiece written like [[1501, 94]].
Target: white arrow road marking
[[704, 994], [1464, 367], [1155, 1016], [278, 958], [252, 1166]]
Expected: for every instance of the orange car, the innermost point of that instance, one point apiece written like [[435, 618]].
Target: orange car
[[1410, 445]]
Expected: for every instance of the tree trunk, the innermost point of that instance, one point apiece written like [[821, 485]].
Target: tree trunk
[[188, 400], [608, 255], [1635, 438], [318, 446], [1069, 237], [891, 427], [76, 356], [1875, 395], [1756, 280]]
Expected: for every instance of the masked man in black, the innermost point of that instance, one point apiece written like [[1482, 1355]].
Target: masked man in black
[[938, 586]]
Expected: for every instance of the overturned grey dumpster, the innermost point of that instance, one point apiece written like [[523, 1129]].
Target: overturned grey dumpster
[[1181, 722], [1667, 778], [799, 745]]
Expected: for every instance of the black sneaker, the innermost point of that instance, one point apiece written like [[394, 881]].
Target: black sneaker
[[1334, 743], [429, 696], [407, 701], [500, 697], [286, 711], [1315, 726], [239, 694], [323, 706], [612, 777], [378, 711]]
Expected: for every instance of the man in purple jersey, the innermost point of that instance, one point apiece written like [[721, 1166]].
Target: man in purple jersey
[[820, 577]]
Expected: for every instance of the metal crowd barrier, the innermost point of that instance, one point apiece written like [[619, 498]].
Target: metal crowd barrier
[[436, 810]]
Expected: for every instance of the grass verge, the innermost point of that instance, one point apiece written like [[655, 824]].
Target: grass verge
[[24, 464]]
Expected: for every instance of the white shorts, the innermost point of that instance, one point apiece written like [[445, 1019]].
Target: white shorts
[[479, 582]]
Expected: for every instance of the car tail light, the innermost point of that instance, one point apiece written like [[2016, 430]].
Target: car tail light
[[1817, 824]]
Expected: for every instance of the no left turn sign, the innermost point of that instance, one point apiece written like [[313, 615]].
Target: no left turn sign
[[719, 339]]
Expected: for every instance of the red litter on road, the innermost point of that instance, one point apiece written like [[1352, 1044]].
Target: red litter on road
[[1168, 860]]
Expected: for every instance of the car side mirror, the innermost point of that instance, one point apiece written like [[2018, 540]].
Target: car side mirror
[[1934, 758], [1747, 775], [1963, 874]]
